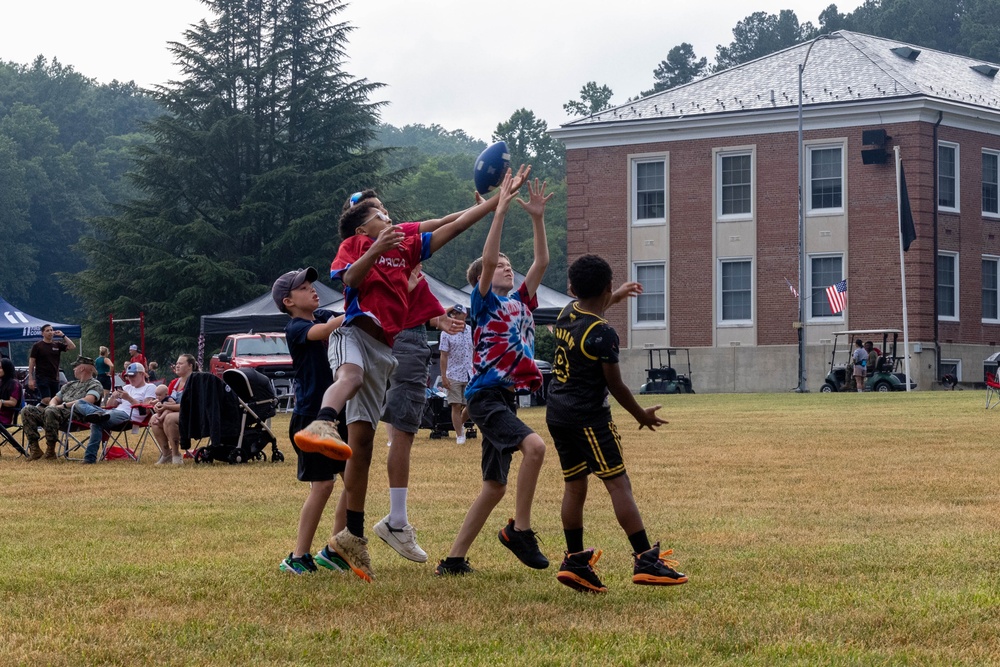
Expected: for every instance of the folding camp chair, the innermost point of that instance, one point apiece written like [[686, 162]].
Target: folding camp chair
[[118, 437], [13, 436], [74, 438], [992, 390]]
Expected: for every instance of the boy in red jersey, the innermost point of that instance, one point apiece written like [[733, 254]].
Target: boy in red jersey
[[374, 263]]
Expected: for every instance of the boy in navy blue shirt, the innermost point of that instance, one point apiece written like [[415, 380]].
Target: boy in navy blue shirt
[[307, 334]]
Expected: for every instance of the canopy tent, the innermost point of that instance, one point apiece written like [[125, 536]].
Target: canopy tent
[[550, 301], [262, 315], [16, 325], [445, 293]]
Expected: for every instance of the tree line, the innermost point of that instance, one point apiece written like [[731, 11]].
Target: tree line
[[189, 198]]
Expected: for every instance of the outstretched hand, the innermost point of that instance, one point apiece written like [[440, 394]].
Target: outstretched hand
[[388, 239], [506, 193], [629, 289], [649, 419], [537, 199], [521, 176]]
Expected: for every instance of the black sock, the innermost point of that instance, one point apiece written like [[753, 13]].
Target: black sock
[[356, 523], [327, 415], [454, 560], [639, 541], [574, 540]]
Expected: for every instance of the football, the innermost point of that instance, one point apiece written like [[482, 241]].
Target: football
[[490, 167]]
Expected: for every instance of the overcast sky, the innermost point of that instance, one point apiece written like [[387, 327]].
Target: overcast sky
[[458, 63]]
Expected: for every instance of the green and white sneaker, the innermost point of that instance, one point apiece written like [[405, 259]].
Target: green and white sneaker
[[304, 564], [331, 561]]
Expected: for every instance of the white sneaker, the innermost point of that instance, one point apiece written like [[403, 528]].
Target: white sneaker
[[460, 440], [403, 540], [178, 460], [164, 458]]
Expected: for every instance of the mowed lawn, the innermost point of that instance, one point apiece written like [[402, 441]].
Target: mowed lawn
[[815, 529]]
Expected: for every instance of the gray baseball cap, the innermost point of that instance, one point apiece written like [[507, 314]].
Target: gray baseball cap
[[285, 283]]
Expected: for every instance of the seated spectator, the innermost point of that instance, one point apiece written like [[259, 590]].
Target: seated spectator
[[54, 417], [152, 368], [10, 392], [124, 405], [165, 423]]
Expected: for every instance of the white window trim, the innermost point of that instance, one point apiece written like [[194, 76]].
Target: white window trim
[[634, 162], [719, 156], [658, 324], [836, 210], [995, 259], [957, 291], [825, 319], [991, 214], [727, 324], [958, 181]]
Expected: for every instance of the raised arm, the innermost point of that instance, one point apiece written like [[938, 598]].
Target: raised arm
[[474, 214], [388, 239], [491, 249], [535, 206]]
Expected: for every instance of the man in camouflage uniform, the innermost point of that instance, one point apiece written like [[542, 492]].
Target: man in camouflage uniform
[[54, 417]]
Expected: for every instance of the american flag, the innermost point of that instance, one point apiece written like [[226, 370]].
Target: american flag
[[836, 294], [795, 292]]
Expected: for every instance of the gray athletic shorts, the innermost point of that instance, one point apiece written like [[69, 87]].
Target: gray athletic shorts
[[494, 411], [351, 345], [407, 395], [456, 393]]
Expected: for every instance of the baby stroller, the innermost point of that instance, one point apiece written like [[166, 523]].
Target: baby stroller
[[232, 413], [437, 416]]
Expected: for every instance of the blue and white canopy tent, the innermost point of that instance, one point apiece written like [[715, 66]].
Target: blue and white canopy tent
[[17, 325]]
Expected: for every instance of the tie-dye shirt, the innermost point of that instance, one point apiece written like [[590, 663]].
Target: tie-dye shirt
[[503, 337]]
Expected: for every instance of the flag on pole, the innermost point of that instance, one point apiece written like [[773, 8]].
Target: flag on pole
[[907, 231], [795, 292], [836, 294]]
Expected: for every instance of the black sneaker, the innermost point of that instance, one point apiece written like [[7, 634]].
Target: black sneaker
[[577, 572], [653, 568], [524, 544], [460, 567], [101, 417], [304, 564]]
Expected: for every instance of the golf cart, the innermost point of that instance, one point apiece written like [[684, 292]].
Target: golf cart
[[885, 376], [663, 378]]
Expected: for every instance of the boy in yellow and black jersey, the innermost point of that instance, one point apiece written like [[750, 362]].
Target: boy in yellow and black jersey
[[579, 419]]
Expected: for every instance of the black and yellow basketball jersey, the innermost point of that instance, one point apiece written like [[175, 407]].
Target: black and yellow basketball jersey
[[578, 392]]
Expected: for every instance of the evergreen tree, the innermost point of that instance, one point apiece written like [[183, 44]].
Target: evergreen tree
[[680, 67], [593, 99], [265, 137], [761, 34]]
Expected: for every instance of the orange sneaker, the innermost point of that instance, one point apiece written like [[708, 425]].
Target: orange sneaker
[[321, 437]]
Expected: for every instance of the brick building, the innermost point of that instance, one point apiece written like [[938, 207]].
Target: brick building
[[694, 192]]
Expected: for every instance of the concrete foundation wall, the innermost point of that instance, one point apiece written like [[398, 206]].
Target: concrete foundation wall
[[774, 368]]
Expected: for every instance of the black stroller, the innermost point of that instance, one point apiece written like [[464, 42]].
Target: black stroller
[[437, 417], [232, 413]]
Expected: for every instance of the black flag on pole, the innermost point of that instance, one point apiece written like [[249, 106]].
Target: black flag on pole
[[907, 232]]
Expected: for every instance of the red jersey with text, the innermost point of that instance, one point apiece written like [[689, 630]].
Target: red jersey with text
[[383, 292]]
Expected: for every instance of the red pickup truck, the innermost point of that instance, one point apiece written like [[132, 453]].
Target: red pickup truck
[[264, 352]]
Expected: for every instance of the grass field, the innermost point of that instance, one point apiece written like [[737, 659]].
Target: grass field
[[815, 529]]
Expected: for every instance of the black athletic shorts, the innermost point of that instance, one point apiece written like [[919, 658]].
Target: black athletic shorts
[[494, 411], [314, 467], [46, 388], [582, 450]]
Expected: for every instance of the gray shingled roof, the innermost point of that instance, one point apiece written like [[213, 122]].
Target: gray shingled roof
[[843, 67]]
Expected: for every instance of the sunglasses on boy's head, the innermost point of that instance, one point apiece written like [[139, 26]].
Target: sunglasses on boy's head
[[355, 198]]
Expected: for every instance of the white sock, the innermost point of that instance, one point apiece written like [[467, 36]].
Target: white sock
[[397, 507]]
